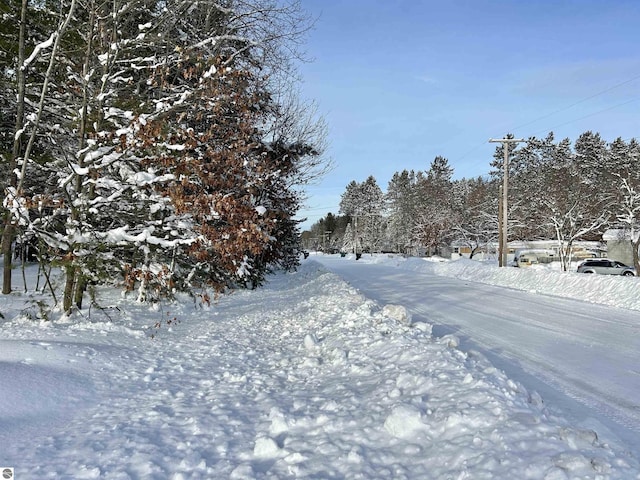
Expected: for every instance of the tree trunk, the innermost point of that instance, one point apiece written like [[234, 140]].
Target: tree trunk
[[7, 237], [80, 288], [8, 234], [67, 299], [80, 280]]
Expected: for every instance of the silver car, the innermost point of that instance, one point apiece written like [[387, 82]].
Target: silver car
[[605, 266]]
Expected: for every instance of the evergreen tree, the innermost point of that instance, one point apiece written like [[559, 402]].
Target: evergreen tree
[[435, 205], [401, 205], [572, 205], [364, 203], [624, 159], [590, 157], [336, 225]]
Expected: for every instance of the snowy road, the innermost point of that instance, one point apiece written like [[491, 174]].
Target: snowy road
[[584, 359]]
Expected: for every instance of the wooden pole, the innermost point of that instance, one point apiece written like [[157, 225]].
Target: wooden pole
[[503, 219]]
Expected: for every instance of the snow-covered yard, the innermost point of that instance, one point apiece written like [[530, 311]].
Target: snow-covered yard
[[305, 378]]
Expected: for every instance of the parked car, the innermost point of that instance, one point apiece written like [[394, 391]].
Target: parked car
[[605, 266]]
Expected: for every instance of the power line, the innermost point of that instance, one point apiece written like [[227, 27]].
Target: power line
[[578, 103], [589, 115], [513, 129], [320, 208]]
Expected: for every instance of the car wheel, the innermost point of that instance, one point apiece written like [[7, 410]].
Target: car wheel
[[588, 271], [628, 274]]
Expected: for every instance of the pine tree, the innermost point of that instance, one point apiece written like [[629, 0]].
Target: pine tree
[[572, 205], [401, 204], [624, 159], [435, 205], [364, 203]]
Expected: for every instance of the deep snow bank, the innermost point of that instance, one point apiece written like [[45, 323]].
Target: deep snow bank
[[304, 378], [617, 291]]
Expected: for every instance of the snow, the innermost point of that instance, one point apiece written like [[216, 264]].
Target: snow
[[546, 279], [304, 378], [146, 178], [120, 234], [209, 73], [18, 134], [37, 49], [174, 147]]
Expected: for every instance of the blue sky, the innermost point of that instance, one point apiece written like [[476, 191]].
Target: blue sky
[[402, 81]]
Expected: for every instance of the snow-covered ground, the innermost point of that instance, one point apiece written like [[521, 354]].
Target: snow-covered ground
[[579, 353], [305, 378]]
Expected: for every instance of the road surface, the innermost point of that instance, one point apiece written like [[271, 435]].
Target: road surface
[[583, 359]]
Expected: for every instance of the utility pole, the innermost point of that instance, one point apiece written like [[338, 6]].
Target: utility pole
[[502, 221], [500, 239]]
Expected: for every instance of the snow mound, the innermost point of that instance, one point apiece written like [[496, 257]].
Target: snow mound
[[610, 290], [304, 378], [398, 313], [405, 421]]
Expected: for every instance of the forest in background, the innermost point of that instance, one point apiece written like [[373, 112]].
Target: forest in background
[[557, 190]]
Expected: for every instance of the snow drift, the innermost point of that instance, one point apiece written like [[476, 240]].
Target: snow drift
[[305, 378]]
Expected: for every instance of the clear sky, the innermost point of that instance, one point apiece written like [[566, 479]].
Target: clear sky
[[402, 81]]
